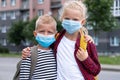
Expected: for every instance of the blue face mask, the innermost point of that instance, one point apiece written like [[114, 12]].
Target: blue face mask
[[45, 41], [71, 26]]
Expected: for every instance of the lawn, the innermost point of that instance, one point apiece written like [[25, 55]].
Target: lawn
[[10, 55], [114, 60]]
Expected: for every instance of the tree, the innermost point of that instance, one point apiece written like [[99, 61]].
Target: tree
[[59, 26], [100, 16], [15, 34], [28, 30]]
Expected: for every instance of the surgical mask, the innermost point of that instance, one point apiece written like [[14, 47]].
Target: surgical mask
[[45, 41], [71, 26]]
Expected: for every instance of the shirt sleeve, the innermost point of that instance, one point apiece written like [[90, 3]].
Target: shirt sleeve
[[25, 69], [92, 63]]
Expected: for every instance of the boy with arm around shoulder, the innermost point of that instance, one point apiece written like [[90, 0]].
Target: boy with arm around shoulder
[[45, 68]]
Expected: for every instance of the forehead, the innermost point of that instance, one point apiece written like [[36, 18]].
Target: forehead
[[72, 13], [47, 27]]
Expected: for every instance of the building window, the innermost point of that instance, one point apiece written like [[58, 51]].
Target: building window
[[12, 15], [3, 3], [116, 8], [95, 38], [13, 2], [114, 41], [4, 29], [40, 12], [3, 15], [26, 16], [3, 42], [25, 4], [40, 1]]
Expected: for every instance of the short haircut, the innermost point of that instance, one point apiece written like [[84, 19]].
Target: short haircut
[[45, 19]]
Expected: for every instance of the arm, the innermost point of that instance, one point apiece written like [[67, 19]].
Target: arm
[[91, 63], [25, 69]]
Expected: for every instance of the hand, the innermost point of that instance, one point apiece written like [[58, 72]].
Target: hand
[[81, 54], [89, 39], [26, 52]]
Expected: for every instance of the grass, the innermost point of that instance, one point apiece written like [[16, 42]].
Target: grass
[[10, 55], [113, 60]]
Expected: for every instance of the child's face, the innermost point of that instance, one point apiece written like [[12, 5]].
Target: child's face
[[72, 14], [45, 29], [72, 20]]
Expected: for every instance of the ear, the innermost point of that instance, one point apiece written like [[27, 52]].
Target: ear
[[34, 33], [83, 22]]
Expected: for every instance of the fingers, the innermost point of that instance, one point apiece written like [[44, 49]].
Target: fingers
[[81, 54], [28, 48], [26, 52], [24, 55], [80, 49], [89, 39]]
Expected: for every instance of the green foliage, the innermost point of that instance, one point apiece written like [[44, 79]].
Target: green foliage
[[22, 32], [59, 26], [28, 30], [100, 16], [3, 50], [15, 34]]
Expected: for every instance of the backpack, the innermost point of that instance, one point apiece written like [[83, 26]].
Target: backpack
[[33, 62]]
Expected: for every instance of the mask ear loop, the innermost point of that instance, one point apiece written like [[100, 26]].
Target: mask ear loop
[[84, 31]]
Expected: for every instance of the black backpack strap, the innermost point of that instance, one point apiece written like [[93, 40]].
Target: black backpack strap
[[34, 55]]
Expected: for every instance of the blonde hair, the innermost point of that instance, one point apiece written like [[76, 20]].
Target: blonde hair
[[75, 5], [45, 19]]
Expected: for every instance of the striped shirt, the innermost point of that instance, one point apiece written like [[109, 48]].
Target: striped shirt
[[45, 67]]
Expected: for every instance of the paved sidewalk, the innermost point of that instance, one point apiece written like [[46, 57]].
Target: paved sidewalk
[[110, 67]]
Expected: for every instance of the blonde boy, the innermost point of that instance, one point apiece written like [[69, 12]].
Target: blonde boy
[[46, 65]]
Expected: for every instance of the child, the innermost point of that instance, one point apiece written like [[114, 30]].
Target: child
[[45, 69], [74, 62]]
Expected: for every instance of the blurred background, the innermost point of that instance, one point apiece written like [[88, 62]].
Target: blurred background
[[17, 22]]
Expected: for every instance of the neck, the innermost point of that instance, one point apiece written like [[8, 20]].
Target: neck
[[40, 47], [72, 37]]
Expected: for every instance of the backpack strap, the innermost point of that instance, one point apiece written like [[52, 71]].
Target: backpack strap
[[33, 62], [33, 59]]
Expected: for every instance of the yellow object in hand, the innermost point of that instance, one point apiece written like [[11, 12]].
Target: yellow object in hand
[[83, 43]]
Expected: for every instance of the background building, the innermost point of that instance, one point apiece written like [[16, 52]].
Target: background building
[[14, 10], [109, 42]]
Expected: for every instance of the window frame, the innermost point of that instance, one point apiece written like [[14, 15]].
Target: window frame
[[13, 2]]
